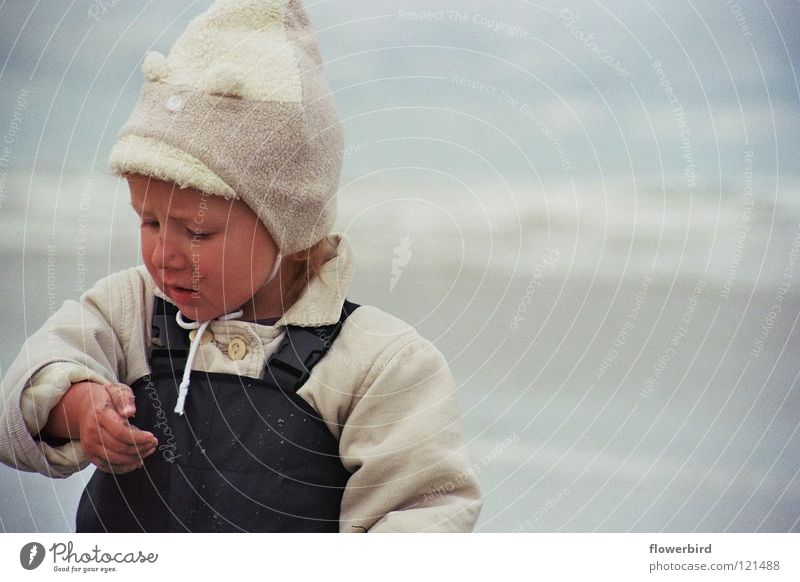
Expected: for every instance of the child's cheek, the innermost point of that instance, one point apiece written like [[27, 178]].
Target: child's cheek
[[196, 265], [147, 249], [203, 258], [207, 260]]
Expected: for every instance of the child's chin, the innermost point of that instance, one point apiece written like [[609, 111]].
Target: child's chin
[[197, 314], [193, 306]]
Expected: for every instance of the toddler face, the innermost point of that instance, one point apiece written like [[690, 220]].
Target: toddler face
[[208, 254]]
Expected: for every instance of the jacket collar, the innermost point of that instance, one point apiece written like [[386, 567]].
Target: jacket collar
[[322, 300]]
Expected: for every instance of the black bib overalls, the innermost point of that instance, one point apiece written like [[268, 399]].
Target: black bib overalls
[[248, 454]]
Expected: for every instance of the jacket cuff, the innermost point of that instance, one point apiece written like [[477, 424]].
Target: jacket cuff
[[44, 391], [47, 387], [19, 450]]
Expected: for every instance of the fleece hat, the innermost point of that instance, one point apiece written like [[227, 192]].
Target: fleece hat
[[240, 109]]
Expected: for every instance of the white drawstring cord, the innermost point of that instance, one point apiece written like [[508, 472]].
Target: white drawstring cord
[[183, 389], [275, 266]]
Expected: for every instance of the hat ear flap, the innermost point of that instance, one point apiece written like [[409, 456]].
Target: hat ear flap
[[225, 80], [155, 67]]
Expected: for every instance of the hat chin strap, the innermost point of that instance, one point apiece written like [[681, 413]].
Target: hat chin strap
[[276, 265]]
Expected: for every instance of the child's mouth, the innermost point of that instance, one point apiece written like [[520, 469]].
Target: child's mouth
[[182, 294]]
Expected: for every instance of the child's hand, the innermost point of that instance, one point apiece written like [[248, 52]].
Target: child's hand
[[111, 442]]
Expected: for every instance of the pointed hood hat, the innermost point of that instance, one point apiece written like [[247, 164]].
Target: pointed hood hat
[[240, 109]]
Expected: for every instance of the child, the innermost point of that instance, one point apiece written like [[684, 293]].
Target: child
[[227, 385]]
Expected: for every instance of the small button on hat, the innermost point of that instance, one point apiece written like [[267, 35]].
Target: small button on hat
[[175, 103]]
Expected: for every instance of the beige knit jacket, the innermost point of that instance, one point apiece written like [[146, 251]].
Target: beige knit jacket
[[386, 394]]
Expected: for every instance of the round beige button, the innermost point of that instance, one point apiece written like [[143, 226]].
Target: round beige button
[[204, 339], [237, 349]]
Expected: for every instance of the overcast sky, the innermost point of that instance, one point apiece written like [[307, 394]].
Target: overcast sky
[[527, 90]]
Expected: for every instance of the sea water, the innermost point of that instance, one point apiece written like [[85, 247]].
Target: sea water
[[616, 353]]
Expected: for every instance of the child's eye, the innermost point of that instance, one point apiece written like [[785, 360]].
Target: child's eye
[[197, 235], [149, 223]]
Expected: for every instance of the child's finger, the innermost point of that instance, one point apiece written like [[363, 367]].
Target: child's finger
[[113, 443], [115, 458], [110, 449], [123, 399], [122, 431]]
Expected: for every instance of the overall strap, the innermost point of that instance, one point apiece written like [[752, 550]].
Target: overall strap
[[169, 343], [301, 349]]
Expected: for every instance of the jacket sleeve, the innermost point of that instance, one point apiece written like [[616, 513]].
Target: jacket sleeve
[[77, 343], [403, 444]]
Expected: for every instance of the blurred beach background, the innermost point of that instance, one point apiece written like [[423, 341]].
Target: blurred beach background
[[592, 211]]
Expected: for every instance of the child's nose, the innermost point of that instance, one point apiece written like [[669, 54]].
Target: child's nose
[[167, 255]]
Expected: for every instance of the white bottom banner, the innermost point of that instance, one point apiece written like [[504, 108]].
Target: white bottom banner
[[400, 556]]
